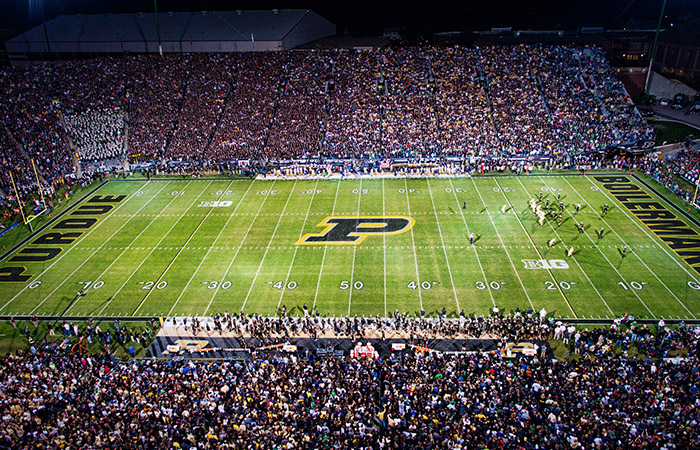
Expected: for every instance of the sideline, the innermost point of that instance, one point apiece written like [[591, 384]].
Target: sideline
[[669, 202]]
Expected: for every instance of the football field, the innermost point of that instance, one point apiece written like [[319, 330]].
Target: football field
[[360, 247]]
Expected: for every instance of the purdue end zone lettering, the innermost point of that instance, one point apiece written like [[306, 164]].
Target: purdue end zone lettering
[[682, 239], [49, 245], [352, 230]]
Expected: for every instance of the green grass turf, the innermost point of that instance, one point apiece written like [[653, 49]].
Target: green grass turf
[[160, 252]]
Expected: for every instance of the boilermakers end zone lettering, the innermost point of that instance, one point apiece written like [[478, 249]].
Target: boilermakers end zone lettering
[[49, 245], [682, 239]]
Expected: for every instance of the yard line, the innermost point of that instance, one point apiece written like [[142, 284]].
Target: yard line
[[91, 255], [444, 250], [606, 258], [415, 257], [574, 258], [504, 247], [635, 221], [213, 243], [129, 245], [536, 249], [151, 252], [218, 286], [635, 253], [80, 240], [384, 248], [486, 283], [325, 249], [354, 250], [296, 247], [274, 233]]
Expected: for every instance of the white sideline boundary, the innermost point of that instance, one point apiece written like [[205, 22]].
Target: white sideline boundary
[[80, 240]]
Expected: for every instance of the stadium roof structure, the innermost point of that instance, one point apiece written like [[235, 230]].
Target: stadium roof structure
[[180, 32]]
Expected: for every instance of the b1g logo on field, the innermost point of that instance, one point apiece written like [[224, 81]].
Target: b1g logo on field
[[215, 204], [352, 230], [544, 264]]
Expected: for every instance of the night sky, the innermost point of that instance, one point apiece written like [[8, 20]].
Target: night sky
[[364, 17]]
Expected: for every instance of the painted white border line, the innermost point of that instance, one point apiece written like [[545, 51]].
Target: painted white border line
[[634, 252], [83, 237]]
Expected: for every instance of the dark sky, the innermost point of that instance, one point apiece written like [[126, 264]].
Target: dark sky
[[364, 17]]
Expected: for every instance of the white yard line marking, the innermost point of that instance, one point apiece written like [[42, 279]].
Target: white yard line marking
[[444, 249], [274, 233], [296, 247], [151, 252], [80, 240], [127, 246], [635, 221], [86, 260], [354, 251], [606, 258], [415, 256], [574, 257], [325, 249], [632, 251], [537, 250], [218, 286], [504, 247], [486, 283], [212, 245], [384, 248]]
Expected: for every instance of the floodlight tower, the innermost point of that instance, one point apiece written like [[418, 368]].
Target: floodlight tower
[[653, 48], [160, 46]]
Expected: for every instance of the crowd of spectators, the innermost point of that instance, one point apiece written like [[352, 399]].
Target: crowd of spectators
[[97, 135], [413, 399]]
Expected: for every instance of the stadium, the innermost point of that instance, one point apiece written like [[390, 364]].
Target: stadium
[[250, 229]]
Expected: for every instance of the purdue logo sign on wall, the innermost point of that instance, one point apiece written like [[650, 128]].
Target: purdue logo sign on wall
[[352, 230]]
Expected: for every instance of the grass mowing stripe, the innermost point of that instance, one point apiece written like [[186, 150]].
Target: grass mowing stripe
[[556, 283], [90, 257], [478, 260], [384, 247], [211, 247], [155, 247], [74, 246], [415, 257], [325, 249], [274, 233], [444, 249], [635, 220], [574, 258], [603, 254], [123, 252], [296, 247], [354, 251], [635, 253], [218, 286], [179, 252], [503, 245]]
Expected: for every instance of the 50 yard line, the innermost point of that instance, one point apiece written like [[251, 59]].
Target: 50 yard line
[[325, 249], [354, 250]]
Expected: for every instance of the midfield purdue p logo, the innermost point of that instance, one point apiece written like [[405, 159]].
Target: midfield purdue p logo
[[352, 230]]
